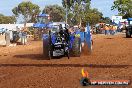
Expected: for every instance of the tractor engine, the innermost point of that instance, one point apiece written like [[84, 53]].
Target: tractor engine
[[59, 45]]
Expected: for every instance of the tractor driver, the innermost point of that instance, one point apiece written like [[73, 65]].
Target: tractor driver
[[67, 34], [64, 33], [61, 30]]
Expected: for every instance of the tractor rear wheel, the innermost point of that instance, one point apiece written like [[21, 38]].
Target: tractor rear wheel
[[76, 47], [128, 31], [128, 34], [47, 47]]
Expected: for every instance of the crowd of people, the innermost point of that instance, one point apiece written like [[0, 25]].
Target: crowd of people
[[106, 29], [110, 29]]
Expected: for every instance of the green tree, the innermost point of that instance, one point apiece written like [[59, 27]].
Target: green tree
[[82, 12], [106, 20], [26, 9], [93, 16], [7, 19], [71, 3], [56, 12], [124, 7]]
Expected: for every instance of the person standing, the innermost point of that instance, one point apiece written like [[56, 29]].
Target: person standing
[[114, 29], [110, 29], [24, 35], [7, 37], [106, 29]]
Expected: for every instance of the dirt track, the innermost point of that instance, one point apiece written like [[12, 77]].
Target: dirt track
[[25, 67]]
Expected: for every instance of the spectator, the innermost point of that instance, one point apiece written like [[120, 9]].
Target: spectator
[[110, 29], [114, 28], [106, 29]]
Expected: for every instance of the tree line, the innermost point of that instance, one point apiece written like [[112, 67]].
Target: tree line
[[78, 11], [7, 19]]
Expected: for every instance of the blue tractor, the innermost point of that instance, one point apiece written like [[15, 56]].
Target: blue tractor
[[129, 28], [41, 26], [60, 42], [57, 40]]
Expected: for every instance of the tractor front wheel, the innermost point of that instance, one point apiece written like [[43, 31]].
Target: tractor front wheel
[[128, 34], [47, 47]]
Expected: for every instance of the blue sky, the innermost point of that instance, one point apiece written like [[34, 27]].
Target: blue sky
[[102, 5]]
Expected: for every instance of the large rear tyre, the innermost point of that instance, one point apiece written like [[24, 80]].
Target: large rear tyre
[[128, 34], [76, 48], [47, 49]]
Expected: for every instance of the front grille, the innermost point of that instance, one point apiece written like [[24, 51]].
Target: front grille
[[59, 46]]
